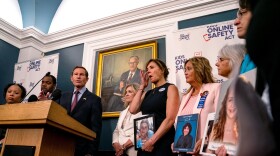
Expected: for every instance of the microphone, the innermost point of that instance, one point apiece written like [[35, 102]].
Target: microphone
[[56, 94], [47, 74], [32, 98]]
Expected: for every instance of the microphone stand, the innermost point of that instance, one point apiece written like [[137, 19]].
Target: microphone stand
[[47, 74]]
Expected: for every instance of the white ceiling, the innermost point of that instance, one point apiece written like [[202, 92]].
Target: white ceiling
[[75, 12], [72, 12], [10, 12]]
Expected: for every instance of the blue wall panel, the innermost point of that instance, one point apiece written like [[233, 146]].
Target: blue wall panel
[[208, 19], [161, 49], [8, 58]]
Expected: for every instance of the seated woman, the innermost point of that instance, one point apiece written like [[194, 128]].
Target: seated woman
[[13, 93], [123, 135]]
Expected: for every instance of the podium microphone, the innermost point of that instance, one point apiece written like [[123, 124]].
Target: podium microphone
[[47, 74], [32, 98]]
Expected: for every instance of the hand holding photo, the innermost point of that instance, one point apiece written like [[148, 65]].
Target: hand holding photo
[[143, 130]]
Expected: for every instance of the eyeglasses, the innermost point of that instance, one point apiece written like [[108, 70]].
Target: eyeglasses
[[241, 13], [220, 59]]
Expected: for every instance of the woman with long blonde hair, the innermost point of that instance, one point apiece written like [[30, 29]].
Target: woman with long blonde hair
[[202, 96]]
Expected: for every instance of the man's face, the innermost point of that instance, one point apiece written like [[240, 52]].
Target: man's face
[[79, 78], [242, 22], [47, 85], [133, 63]]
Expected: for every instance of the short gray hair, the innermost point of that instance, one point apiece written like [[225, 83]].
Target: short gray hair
[[235, 53], [134, 56]]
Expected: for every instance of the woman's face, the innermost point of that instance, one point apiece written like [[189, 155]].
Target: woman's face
[[13, 94], [186, 130], [129, 94], [144, 129], [154, 72], [223, 66], [189, 73], [231, 108], [242, 22]]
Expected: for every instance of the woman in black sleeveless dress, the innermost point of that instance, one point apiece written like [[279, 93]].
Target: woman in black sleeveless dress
[[163, 102]]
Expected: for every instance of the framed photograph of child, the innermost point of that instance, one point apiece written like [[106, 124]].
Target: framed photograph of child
[[144, 129]]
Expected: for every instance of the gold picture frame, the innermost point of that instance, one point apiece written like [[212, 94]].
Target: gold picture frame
[[112, 64]]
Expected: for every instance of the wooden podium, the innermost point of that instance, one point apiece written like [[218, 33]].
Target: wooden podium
[[43, 126]]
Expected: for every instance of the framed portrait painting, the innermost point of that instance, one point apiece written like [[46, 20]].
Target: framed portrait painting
[[118, 68]]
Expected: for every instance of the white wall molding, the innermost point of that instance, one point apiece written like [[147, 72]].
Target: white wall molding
[[144, 19]]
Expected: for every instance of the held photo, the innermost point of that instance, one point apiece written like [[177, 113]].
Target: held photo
[[206, 135], [225, 128], [116, 69], [185, 135], [144, 129]]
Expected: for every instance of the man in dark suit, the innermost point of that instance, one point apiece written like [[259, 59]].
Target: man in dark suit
[[86, 108], [131, 76]]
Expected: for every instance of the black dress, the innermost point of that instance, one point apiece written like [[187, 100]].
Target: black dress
[[155, 103]]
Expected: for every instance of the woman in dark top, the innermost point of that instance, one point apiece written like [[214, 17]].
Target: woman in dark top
[[13, 93], [185, 140], [163, 102]]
